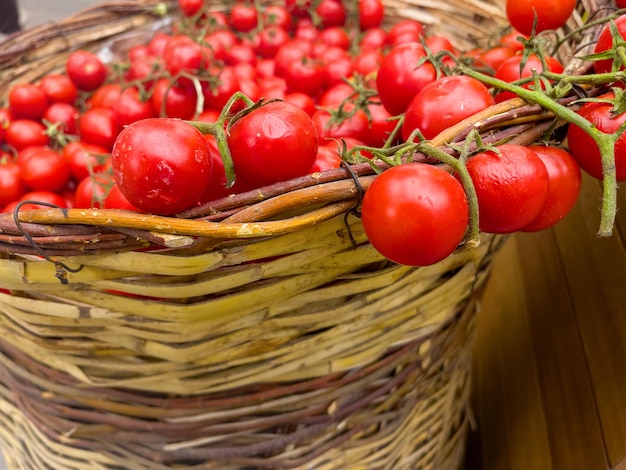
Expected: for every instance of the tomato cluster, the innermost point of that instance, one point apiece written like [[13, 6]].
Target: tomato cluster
[[281, 91]]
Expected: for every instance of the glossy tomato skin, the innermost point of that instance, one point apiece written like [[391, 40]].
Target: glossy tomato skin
[[443, 103], [45, 170], [161, 165], [12, 186], [584, 148], [400, 77], [564, 188], [84, 159], [275, 142], [415, 214], [371, 14], [551, 14], [28, 101], [605, 43], [99, 126], [59, 88], [63, 115], [86, 70], [22, 133], [511, 187]]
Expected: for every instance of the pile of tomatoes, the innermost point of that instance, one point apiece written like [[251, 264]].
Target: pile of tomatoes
[[228, 101]]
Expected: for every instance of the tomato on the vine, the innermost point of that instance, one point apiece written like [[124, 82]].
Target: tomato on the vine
[[443, 103], [161, 165], [415, 214], [549, 14], [12, 186], [22, 133], [401, 75], [28, 101], [511, 187], [563, 190], [45, 170], [605, 44], [585, 149], [274, 142], [512, 70]]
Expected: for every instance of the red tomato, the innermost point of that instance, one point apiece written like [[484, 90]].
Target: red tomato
[[116, 200], [183, 56], [550, 14], [400, 78], [512, 40], [86, 70], [27, 101], [494, 57], [161, 165], [92, 191], [48, 197], [330, 13], [415, 214], [99, 126], [45, 170], [584, 148], [277, 15], [443, 103], [217, 93], [173, 101], [509, 71], [620, 3], [22, 133], [5, 120], [381, 125], [605, 43], [12, 186], [403, 31], [275, 142], [374, 38], [327, 159], [190, 7], [330, 127], [106, 96], [371, 14], [84, 159], [133, 106], [59, 88], [63, 115], [301, 71], [563, 189], [243, 17], [302, 101], [511, 187], [270, 40]]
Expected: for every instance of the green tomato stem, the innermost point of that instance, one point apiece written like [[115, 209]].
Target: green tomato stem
[[458, 165]]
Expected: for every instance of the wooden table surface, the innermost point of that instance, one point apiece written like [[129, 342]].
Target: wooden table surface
[[550, 355]]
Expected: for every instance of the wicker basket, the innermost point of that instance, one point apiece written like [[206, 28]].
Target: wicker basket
[[269, 334]]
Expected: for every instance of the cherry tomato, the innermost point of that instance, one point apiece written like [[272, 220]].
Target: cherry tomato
[[133, 106], [22, 133], [12, 186], [509, 71], [116, 200], [584, 148], [48, 197], [173, 101], [330, 13], [327, 159], [354, 124], [84, 159], [371, 14], [161, 165], [563, 190], [106, 96], [99, 126], [415, 214], [550, 14], [511, 187], [605, 43], [45, 170], [443, 103], [92, 191], [86, 70], [190, 7], [59, 88], [401, 76], [243, 17], [274, 142], [63, 115], [27, 101], [403, 31]]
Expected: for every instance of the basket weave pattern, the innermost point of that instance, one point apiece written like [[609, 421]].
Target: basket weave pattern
[[269, 333]]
